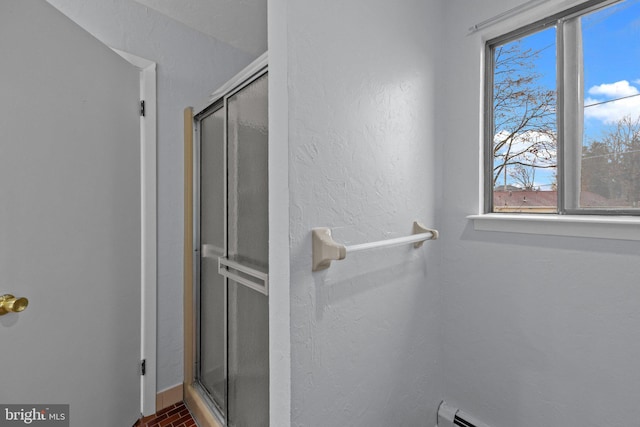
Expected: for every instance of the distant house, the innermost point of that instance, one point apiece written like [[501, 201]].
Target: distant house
[[532, 201]]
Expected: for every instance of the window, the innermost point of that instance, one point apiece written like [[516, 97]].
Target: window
[[563, 114]]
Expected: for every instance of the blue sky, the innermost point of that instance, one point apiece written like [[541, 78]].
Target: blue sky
[[611, 49], [611, 39]]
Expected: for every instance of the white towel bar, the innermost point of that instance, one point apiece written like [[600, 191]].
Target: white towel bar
[[325, 249]]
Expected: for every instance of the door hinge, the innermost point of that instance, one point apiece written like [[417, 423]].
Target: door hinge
[[142, 112], [143, 367]]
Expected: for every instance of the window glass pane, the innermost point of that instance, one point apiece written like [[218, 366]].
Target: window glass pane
[[248, 320], [212, 373], [248, 176], [610, 170], [524, 124]]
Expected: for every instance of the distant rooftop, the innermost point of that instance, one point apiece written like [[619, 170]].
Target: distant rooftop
[[518, 200]]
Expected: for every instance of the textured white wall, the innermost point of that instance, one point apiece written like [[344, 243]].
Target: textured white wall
[[362, 156], [537, 330], [190, 66], [279, 262]]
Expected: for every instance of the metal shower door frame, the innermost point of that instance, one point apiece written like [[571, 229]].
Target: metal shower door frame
[[217, 101]]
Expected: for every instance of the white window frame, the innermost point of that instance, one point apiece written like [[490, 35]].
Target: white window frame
[[569, 108], [570, 220]]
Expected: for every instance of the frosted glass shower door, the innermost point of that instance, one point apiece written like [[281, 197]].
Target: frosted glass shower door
[[233, 272], [212, 307], [248, 244]]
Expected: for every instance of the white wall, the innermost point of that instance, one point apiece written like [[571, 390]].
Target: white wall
[[190, 66], [362, 153], [537, 330], [279, 262]]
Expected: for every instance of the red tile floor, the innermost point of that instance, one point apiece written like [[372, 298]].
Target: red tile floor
[[174, 416]]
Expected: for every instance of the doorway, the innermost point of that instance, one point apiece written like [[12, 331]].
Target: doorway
[[230, 252]]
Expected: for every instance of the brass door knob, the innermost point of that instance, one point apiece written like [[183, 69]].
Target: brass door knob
[[11, 304]]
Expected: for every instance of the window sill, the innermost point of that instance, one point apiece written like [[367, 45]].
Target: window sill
[[598, 227]]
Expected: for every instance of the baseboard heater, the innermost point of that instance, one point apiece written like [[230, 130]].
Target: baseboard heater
[[448, 416]]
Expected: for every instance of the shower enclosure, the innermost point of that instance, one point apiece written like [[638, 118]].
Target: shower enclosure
[[231, 265]]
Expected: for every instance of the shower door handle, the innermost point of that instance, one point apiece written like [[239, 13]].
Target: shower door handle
[[262, 285]]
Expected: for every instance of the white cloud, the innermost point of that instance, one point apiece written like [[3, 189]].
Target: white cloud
[[614, 111], [603, 105], [530, 146], [614, 90]]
